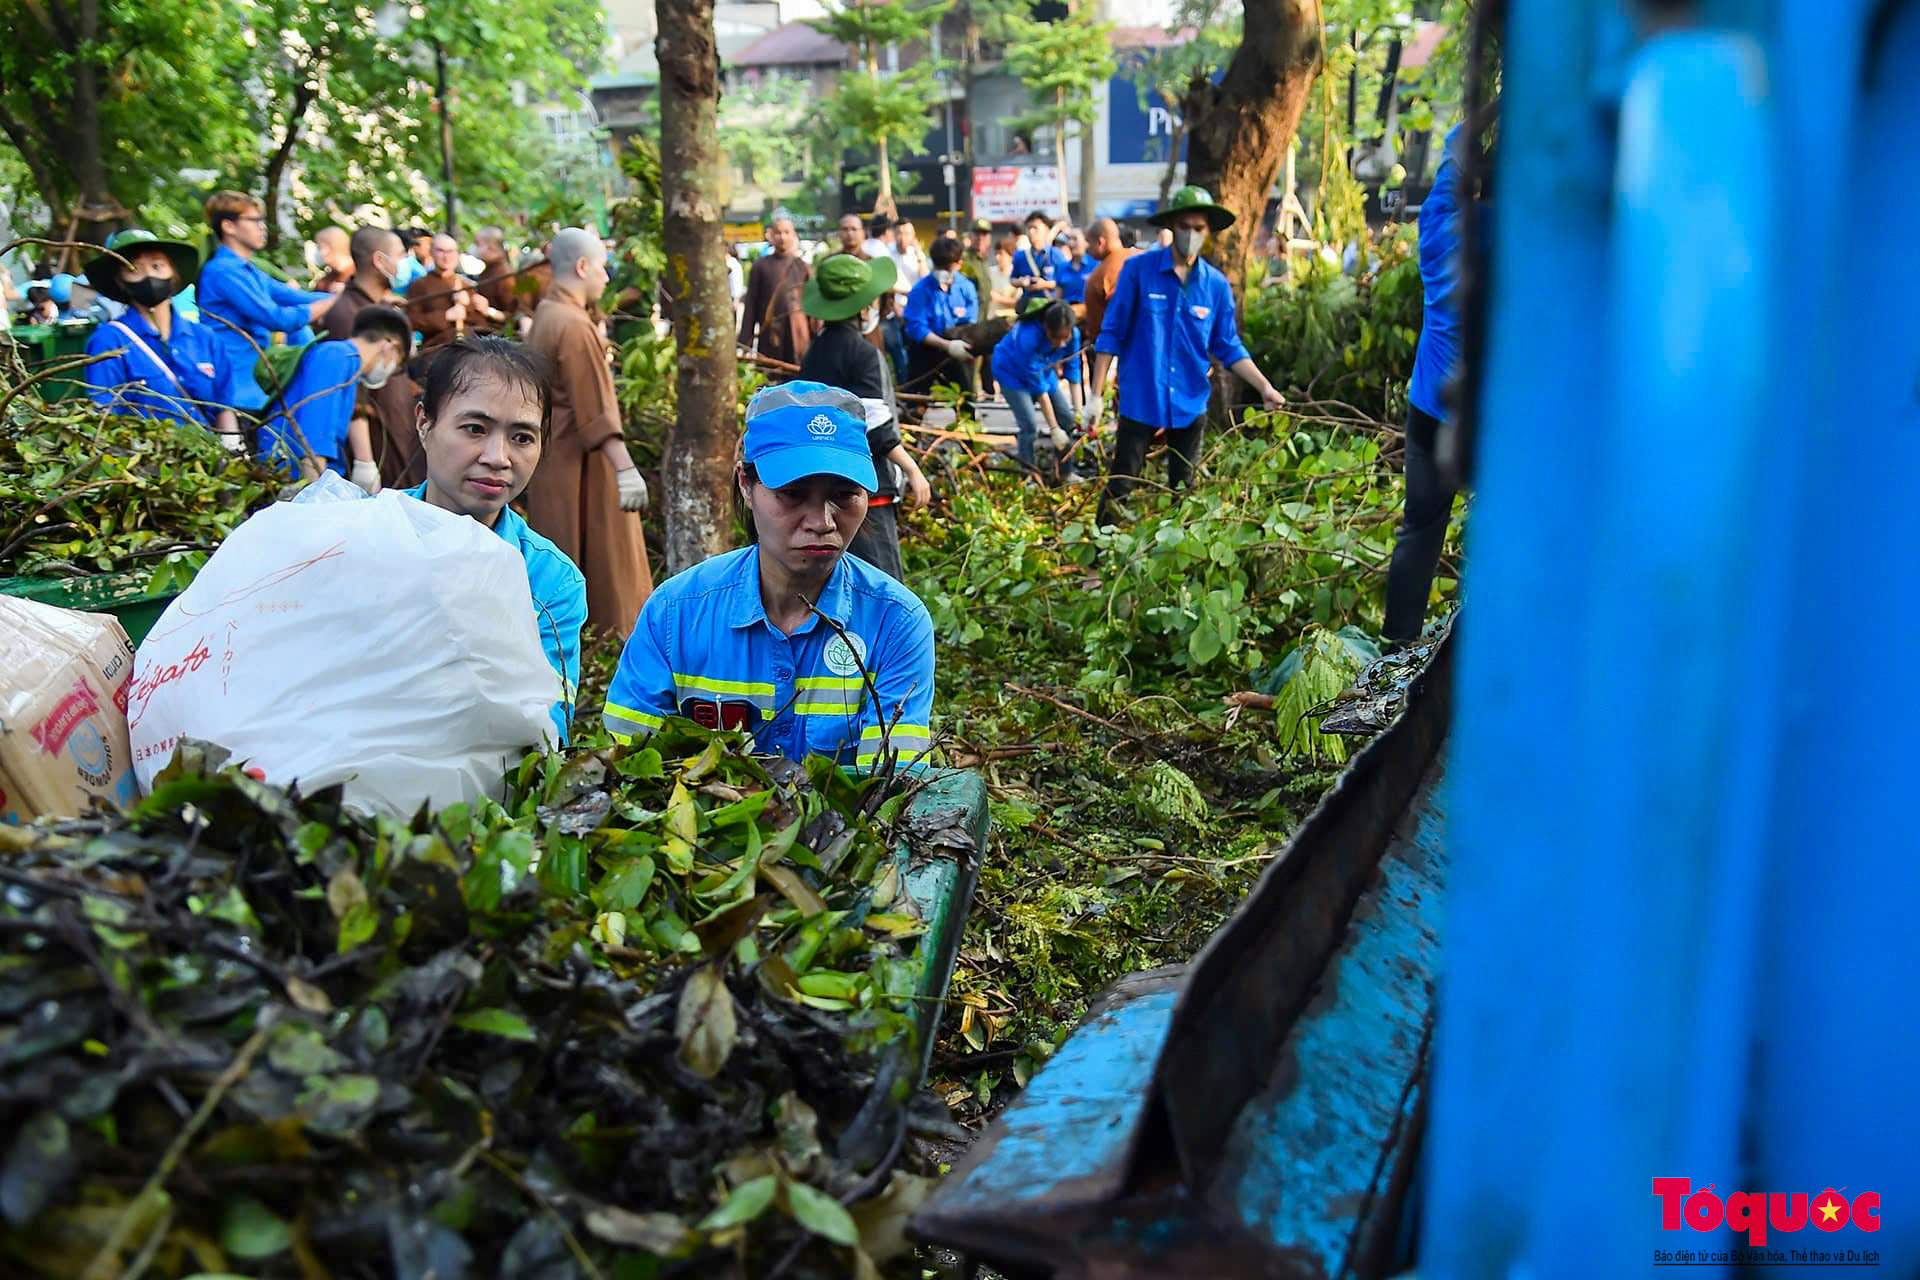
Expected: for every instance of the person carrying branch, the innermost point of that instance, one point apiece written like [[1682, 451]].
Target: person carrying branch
[[809, 650]]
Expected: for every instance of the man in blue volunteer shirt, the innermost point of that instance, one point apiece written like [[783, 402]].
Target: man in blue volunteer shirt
[[1073, 272], [1036, 268], [1170, 311], [243, 306], [311, 426], [941, 300], [151, 362], [1429, 498], [810, 650]]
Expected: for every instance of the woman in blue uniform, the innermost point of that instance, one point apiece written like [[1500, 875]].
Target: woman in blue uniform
[[1028, 363], [808, 649], [482, 421], [153, 362]]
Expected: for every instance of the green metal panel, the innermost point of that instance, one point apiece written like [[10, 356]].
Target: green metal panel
[[44, 344], [126, 595]]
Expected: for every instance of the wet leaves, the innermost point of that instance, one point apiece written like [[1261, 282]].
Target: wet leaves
[[623, 1017]]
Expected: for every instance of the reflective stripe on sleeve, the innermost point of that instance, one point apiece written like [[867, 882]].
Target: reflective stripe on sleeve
[[625, 723]]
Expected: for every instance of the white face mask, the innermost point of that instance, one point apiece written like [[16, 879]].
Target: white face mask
[[376, 377], [943, 278], [1188, 241], [869, 319]]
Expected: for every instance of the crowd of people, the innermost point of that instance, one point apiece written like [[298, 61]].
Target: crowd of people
[[474, 382]]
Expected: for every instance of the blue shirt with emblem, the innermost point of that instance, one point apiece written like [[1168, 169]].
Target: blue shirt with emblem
[[931, 309], [319, 400], [1025, 361], [243, 307], [1162, 333], [703, 648], [559, 601], [1042, 263], [182, 378], [1073, 278]]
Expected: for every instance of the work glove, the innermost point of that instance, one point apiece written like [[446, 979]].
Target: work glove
[[232, 441], [1090, 413], [958, 349], [1061, 439], [365, 474], [633, 489]]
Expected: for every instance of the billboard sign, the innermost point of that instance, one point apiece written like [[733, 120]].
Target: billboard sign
[[1009, 193]]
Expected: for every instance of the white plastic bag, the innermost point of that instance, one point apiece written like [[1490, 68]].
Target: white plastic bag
[[380, 642]]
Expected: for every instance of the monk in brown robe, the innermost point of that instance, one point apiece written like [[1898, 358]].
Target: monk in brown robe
[[376, 255], [513, 289], [771, 308], [443, 304], [586, 495]]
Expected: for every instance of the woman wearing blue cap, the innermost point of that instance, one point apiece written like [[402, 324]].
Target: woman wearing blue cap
[[808, 649]]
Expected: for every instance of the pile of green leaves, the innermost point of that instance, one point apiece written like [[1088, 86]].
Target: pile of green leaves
[[82, 492], [1293, 529], [1336, 340], [628, 1023]]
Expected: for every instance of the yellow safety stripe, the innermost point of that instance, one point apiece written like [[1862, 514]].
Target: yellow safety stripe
[[897, 733], [642, 718], [904, 761], [826, 708], [707, 685], [830, 682]]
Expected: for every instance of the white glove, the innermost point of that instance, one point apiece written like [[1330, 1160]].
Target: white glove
[[1061, 439], [958, 349], [366, 475], [1090, 413], [232, 441], [633, 489]]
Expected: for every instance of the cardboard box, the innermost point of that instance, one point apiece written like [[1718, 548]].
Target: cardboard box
[[63, 711]]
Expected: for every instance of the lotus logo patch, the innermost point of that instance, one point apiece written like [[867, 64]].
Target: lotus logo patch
[[844, 656], [821, 425]]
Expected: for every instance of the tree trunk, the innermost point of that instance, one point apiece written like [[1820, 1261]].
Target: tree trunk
[[303, 97], [1087, 176], [1060, 152], [883, 198], [100, 214], [700, 443], [1238, 131]]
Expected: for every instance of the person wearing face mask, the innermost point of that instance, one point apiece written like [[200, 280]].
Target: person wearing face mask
[[809, 650], [376, 253], [1171, 311], [588, 495], [482, 423], [152, 362], [941, 301], [311, 424]]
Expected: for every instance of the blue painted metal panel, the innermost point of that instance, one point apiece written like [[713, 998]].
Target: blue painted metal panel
[[1307, 1160], [1683, 834]]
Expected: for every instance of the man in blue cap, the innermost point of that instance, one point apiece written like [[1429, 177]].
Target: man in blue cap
[[808, 649], [152, 362], [1171, 312]]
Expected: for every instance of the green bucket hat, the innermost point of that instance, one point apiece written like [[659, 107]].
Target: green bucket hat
[[1194, 199], [843, 285], [103, 272]]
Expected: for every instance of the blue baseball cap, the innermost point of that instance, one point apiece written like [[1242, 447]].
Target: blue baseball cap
[[800, 429]]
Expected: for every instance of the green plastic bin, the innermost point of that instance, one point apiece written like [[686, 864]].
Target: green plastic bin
[[126, 595], [43, 344]]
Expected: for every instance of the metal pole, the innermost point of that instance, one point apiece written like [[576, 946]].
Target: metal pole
[[446, 130]]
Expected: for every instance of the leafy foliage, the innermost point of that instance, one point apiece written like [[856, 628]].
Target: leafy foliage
[[620, 1018], [1061, 64], [85, 492], [1337, 340], [885, 113]]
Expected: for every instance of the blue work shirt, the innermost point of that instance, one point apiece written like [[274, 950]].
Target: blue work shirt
[[1439, 347], [243, 307], [703, 649], [559, 601], [1045, 263], [1026, 362], [931, 309], [1161, 334], [1073, 278], [319, 399], [182, 378]]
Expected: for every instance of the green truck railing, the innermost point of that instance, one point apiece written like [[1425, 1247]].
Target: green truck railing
[[40, 345], [127, 595]]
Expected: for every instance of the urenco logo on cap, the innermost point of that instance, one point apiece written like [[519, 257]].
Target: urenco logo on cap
[[821, 425]]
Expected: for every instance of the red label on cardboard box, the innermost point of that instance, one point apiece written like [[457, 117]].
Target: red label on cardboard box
[[52, 733]]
